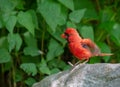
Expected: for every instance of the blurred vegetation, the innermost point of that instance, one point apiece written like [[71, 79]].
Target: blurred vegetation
[[31, 46]]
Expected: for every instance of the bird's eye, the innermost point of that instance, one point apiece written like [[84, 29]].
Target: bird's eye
[[67, 35]]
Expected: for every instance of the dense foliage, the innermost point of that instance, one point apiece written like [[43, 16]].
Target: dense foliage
[[31, 46]]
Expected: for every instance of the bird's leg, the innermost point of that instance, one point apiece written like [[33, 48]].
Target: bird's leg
[[85, 61], [79, 62], [73, 65], [70, 64]]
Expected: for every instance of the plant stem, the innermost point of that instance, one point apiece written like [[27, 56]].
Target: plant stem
[[98, 5], [42, 40], [13, 74], [2, 75]]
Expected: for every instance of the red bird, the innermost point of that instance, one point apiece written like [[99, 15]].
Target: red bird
[[83, 49]]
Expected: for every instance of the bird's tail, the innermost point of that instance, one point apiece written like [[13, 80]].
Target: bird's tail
[[105, 54]]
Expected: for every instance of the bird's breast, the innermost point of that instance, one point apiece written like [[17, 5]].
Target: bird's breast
[[78, 51]]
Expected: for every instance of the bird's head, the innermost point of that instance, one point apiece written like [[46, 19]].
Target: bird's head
[[69, 32]]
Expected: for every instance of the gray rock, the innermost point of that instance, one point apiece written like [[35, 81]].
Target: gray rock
[[85, 75]]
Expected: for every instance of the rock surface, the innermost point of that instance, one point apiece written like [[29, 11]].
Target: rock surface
[[85, 75]]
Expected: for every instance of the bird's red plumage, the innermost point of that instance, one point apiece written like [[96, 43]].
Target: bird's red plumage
[[81, 48], [78, 51]]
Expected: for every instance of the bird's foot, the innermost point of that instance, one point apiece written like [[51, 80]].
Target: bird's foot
[[85, 61], [70, 64], [73, 65], [76, 64]]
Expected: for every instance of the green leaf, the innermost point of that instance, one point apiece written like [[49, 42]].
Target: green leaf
[[34, 17], [67, 3], [30, 40], [6, 5], [9, 20], [91, 14], [29, 68], [18, 75], [67, 67], [63, 16], [29, 59], [18, 42], [57, 35], [8, 65], [71, 24], [95, 60], [14, 41], [50, 12], [77, 15], [31, 51], [79, 4], [30, 81], [3, 42], [104, 49], [55, 49], [19, 4], [90, 9], [4, 56], [10, 23], [53, 63], [55, 70], [26, 20], [62, 64], [56, 63], [115, 34], [1, 22], [11, 41], [43, 67], [87, 32]]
